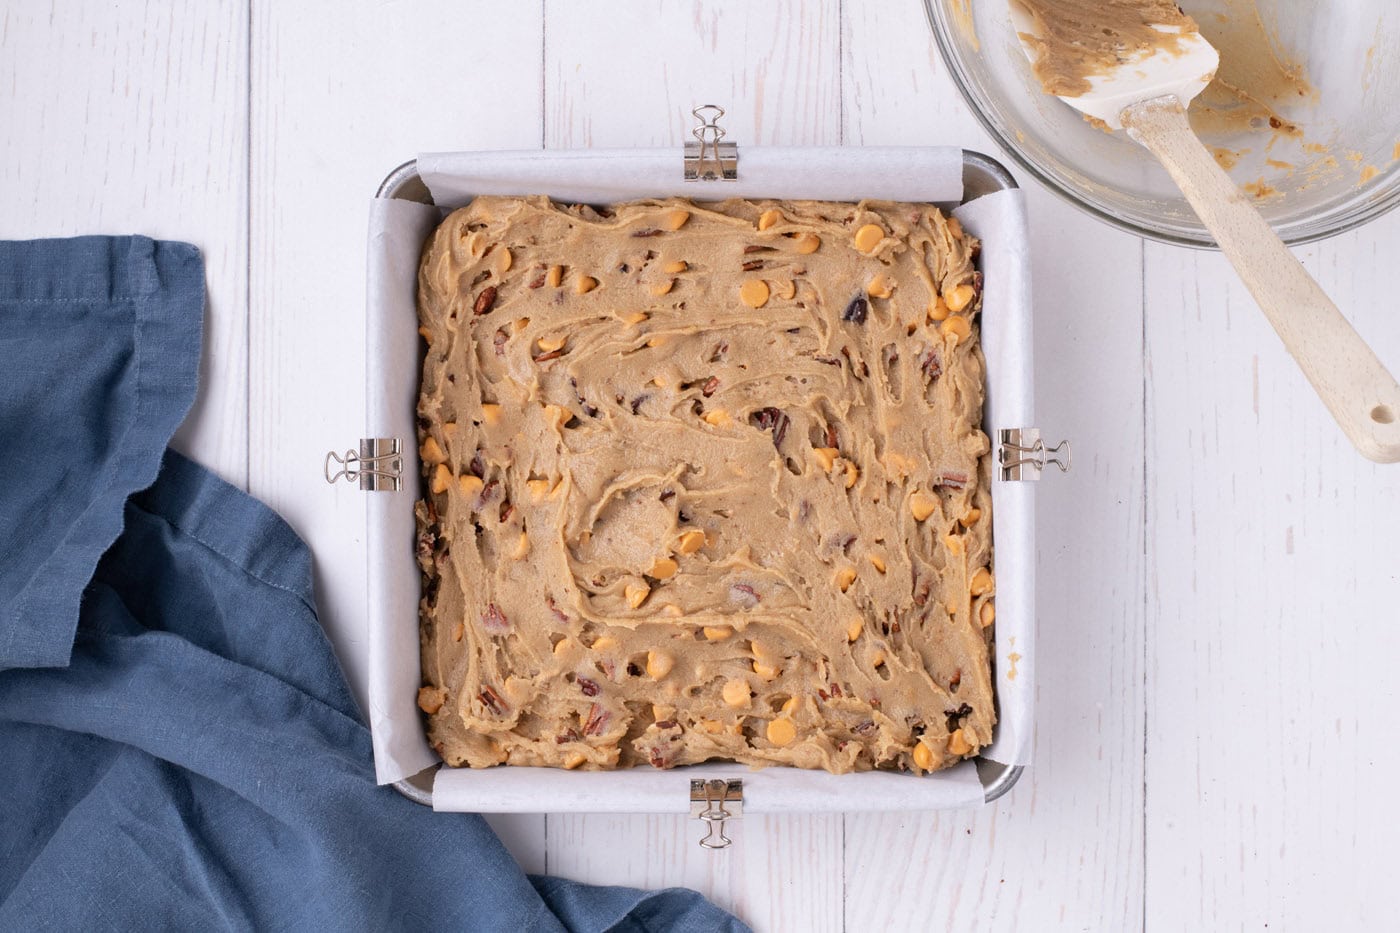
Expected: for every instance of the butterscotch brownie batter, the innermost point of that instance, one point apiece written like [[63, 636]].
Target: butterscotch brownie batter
[[704, 482], [1075, 40]]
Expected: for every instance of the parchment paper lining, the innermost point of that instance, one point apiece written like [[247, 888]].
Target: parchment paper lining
[[397, 231]]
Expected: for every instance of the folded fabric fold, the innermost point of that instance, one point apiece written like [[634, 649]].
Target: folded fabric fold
[[178, 747], [99, 358]]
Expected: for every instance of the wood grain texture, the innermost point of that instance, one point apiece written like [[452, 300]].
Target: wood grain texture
[[1026, 862], [1271, 762], [124, 119], [630, 78]]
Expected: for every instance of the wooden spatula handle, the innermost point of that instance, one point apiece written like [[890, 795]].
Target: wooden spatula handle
[[1361, 394]]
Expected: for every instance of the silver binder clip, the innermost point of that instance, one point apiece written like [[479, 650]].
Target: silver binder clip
[[1022, 455], [714, 802], [378, 466], [709, 158]]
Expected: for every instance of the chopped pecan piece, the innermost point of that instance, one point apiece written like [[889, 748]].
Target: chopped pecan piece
[[742, 594], [554, 608], [857, 310], [484, 301], [931, 364], [494, 621], [590, 688], [771, 419], [488, 494], [427, 539], [955, 716], [597, 720], [491, 700], [951, 479]]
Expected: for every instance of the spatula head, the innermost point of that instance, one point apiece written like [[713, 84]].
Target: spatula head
[[1182, 71]]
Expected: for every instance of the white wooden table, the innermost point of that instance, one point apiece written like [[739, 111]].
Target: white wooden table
[[1218, 576]]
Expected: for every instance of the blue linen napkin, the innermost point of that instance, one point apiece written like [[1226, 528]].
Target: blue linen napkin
[[178, 748]]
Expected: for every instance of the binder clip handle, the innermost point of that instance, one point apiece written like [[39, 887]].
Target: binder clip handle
[[349, 464]]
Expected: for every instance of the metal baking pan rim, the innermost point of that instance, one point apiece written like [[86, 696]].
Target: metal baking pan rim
[[982, 175]]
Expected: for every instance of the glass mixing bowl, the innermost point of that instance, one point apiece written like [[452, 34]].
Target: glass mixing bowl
[[1316, 142]]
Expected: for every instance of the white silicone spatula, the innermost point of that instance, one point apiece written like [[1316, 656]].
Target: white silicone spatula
[[1148, 97]]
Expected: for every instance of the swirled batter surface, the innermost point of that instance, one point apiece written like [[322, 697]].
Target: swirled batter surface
[[704, 482]]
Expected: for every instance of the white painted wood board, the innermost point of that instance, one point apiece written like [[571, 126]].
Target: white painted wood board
[[1218, 578], [1273, 595]]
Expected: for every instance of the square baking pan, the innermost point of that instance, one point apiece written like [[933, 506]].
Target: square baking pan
[[414, 198]]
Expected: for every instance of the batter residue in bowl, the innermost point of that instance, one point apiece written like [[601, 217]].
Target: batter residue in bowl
[[1076, 40], [1256, 80]]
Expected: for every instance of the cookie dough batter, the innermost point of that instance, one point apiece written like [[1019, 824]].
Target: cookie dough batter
[[704, 482], [1077, 39]]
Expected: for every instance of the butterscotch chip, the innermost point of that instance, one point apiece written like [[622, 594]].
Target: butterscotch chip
[[868, 237], [922, 505], [710, 488], [690, 541], [754, 292], [442, 478], [430, 699], [430, 452], [781, 731], [737, 693]]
